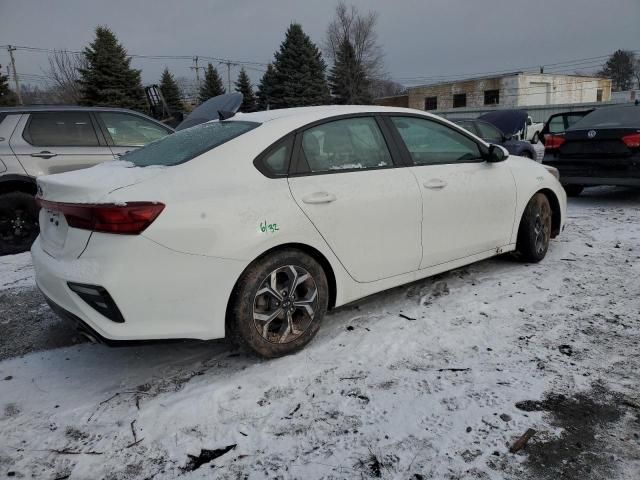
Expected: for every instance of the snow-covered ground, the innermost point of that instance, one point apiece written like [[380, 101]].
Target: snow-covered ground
[[418, 382]]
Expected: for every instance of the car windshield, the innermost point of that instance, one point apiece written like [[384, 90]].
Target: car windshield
[[187, 144], [610, 117]]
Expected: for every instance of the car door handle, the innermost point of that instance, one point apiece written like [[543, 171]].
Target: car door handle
[[435, 184], [44, 154], [319, 197]]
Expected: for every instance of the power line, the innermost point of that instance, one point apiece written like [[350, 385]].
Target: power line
[[452, 77], [149, 57]]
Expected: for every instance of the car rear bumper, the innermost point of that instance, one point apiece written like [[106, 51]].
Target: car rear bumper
[[593, 181], [622, 171], [161, 294]]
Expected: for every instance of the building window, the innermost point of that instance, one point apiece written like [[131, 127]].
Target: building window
[[491, 97], [599, 95], [431, 103], [459, 100]]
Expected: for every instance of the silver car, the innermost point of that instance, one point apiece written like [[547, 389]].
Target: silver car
[[40, 140]]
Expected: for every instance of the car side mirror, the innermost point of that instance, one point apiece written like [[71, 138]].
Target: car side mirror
[[506, 138], [497, 153]]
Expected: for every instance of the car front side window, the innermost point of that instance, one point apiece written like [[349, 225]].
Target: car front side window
[[429, 142], [348, 144], [130, 130]]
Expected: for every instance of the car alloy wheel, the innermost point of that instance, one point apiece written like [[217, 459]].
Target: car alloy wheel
[[541, 230], [285, 304], [535, 229], [18, 222]]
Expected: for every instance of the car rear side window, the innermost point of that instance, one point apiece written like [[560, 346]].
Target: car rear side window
[[128, 130], [274, 162], [430, 142], [352, 143], [64, 129], [187, 144]]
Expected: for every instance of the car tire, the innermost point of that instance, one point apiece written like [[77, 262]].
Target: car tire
[[264, 307], [18, 222], [573, 190], [535, 229], [527, 154]]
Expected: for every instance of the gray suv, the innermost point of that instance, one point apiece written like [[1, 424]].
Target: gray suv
[[41, 140]]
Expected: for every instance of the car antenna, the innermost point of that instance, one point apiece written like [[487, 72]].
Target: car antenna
[[225, 114]]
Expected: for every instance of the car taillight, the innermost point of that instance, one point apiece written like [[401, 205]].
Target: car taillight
[[553, 142], [129, 219], [632, 141]]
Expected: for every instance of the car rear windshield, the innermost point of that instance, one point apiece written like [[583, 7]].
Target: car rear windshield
[[610, 117], [182, 146]]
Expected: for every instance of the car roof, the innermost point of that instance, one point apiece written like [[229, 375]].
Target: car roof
[[63, 108], [292, 118]]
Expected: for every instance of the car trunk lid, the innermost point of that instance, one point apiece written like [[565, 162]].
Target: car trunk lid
[[595, 143], [89, 186]]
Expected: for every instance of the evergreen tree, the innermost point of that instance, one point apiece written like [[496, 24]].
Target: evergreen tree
[[265, 88], [212, 86], [7, 97], [243, 86], [108, 79], [619, 68], [170, 92], [299, 72], [347, 79]]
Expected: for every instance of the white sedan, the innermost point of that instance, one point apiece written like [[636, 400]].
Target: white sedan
[[253, 226]]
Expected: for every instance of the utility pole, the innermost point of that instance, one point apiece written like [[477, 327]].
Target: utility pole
[[10, 49], [197, 69], [229, 65]]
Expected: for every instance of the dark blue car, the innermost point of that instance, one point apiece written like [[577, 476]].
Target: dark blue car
[[500, 127]]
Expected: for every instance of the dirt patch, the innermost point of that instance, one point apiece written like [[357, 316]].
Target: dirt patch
[[206, 456], [28, 324], [584, 449]]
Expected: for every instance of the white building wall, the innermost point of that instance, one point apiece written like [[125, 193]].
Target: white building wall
[[559, 89]]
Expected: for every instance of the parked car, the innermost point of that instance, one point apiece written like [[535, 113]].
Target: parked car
[[602, 148], [492, 134], [515, 123], [558, 123], [533, 130], [39, 140], [254, 226]]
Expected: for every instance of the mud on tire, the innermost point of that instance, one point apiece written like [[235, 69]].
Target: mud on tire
[[278, 303]]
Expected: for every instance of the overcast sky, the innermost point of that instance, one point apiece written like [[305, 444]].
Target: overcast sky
[[420, 38]]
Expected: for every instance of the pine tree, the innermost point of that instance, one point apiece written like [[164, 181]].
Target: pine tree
[[212, 86], [265, 88], [243, 86], [7, 97], [170, 92], [347, 79], [299, 72], [108, 79]]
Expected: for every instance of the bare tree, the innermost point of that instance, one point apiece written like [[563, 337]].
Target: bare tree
[[359, 29], [387, 88], [63, 72]]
